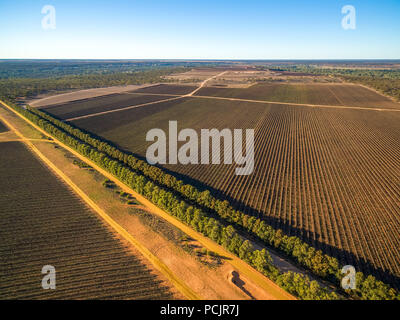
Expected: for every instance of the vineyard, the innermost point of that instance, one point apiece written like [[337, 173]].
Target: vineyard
[[167, 89], [328, 176], [323, 94], [43, 223], [105, 103]]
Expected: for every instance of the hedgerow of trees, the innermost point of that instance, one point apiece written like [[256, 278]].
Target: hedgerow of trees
[[14, 88]]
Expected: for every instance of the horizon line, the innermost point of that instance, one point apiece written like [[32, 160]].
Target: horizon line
[[199, 59]]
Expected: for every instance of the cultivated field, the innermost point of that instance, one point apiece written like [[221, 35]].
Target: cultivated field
[[100, 104], [167, 89], [330, 176], [43, 223], [325, 94]]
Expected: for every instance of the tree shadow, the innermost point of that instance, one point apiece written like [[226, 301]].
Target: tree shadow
[[240, 284]]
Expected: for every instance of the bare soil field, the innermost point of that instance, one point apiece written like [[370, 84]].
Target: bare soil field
[[43, 223], [325, 94], [244, 77], [329, 176], [194, 75], [99, 104]]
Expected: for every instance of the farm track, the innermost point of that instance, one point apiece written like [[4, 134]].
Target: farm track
[[22, 140], [205, 82]]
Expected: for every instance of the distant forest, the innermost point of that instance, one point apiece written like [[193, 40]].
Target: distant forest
[[27, 78]]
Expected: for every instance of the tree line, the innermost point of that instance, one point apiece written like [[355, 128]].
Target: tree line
[[62, 67], [197, 208], [15, 88]]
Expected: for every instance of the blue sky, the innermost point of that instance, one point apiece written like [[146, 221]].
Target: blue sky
[[285, 29]]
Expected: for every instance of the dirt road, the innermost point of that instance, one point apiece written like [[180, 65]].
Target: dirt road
[[204, 83]]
